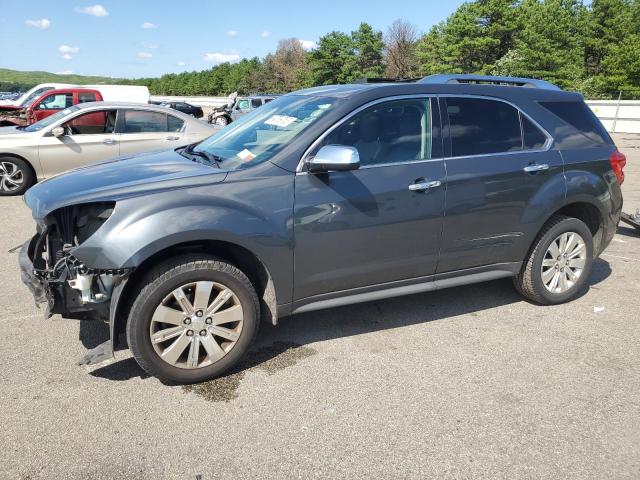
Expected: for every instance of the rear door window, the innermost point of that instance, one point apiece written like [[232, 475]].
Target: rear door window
[[142, 121], [580, 117], [256, 102], [86, 97], [174, 124], [481, 126]]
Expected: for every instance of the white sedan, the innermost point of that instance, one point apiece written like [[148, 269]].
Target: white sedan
[[88, 133]]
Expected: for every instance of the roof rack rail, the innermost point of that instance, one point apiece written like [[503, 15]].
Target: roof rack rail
[[491, 80], [386, 80]]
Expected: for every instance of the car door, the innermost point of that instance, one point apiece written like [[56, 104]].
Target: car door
[[51, 104], [148, 130], [89, 138], [381, 222], [497, 160], [241, 107]]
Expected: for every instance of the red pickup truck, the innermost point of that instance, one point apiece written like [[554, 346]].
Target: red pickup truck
[[47, 104]]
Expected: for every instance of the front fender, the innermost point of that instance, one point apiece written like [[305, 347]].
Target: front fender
[[254, 214]]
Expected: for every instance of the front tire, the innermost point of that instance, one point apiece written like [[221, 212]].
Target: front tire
[[559, 262], [16, 176], [193, 319]]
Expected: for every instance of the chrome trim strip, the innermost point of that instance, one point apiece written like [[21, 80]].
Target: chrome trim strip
[[545, 148]]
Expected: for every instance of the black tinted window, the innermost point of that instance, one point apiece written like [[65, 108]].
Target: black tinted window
[[480, 126], [86, 97], [390, 132], [140, 121], [256, 102], [579, 116], [174, 124], [534, 139]]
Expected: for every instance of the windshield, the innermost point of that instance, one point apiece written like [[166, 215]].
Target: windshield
[[258, 136], [51, 119], [33, 95]]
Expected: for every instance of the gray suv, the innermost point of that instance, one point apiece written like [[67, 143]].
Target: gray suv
[[326, 197]]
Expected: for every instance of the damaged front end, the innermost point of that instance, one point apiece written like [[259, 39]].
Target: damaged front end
[[62, 282], [12, 116]]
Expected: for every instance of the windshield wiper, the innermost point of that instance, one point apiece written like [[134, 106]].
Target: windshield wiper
[[211, 159]]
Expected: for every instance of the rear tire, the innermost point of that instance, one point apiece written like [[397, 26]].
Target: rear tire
[[222, 121], [559, 262], [192, 341], [16, 176]]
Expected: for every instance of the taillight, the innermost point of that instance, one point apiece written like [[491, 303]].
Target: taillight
[[618, 161]]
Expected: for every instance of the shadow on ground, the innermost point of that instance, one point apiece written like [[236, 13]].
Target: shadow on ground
[[282, 346]]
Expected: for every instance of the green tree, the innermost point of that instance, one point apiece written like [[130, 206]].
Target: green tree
[[368, 47], [471, 40], [334, 60], [550, 44], [612, 47]]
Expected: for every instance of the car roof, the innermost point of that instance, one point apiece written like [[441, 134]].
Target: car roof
[[68, 90], [380, 90], [131, 105]]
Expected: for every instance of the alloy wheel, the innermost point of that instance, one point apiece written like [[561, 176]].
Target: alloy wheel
[[11, 177], [564, 262], [196, 324]]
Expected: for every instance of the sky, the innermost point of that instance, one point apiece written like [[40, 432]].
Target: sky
[[146, 38]]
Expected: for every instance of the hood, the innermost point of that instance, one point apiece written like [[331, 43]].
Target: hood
[[120, 178], [14, 131]]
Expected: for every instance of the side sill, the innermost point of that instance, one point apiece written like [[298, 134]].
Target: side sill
[[423, 284]]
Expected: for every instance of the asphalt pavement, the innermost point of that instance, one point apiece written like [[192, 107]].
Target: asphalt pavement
[[470, 382]]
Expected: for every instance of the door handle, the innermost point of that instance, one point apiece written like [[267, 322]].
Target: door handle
[[536, 167], [109, 141], [172, 138], [424, 185]]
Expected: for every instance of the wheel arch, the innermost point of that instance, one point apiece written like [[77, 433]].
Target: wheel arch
[[20, 157], [584, 210], [240, 256]]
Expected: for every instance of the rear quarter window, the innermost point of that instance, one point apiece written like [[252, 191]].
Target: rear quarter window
[[579, 116]]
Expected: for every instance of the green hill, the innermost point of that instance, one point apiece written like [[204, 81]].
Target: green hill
[[14, 80]]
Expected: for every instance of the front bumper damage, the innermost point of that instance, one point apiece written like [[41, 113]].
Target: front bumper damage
[[64, 285]]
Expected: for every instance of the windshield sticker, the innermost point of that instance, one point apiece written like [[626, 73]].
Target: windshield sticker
[[280, 121], [246, 155]]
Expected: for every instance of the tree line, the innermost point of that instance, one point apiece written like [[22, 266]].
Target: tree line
[[592, 47]]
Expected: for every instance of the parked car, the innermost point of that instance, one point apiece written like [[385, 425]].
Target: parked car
[[88, 133], [30, 95], [58, 99], [327, 197], [226, 114], [185, 108], [47, 104]]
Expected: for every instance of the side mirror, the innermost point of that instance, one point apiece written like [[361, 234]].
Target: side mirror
[[336, 158], [57, 131]]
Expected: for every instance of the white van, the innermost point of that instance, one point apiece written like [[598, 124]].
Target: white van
[[122, 93]]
